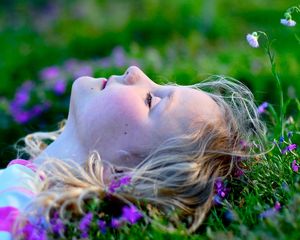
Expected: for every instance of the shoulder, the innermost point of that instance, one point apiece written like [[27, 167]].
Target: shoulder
[[20, 173], [19, 184]]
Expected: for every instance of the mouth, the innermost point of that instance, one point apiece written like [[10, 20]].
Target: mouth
[[104, 84]]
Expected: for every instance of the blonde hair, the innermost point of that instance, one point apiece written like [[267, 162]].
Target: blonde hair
[[179, 174]]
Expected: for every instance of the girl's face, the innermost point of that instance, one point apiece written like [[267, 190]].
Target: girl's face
[[133, 114]]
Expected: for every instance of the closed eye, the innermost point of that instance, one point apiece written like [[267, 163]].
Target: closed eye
[[149, 99]]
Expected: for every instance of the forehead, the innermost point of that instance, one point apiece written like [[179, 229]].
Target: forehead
[[188, 106], [195, 103]]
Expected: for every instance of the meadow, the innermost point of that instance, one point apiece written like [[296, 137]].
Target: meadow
[[46, 45]]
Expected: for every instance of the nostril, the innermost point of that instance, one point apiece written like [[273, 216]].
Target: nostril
[[132, 75], [132, 69]]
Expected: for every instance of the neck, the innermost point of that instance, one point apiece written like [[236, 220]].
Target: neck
[[65, 147]]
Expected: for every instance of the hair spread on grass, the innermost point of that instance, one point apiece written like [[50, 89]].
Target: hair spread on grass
[[178, 175]]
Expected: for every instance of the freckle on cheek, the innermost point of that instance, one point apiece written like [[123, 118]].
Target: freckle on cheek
[[125, 133]]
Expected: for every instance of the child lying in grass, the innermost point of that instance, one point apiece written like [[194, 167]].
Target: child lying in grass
[[167, 144]]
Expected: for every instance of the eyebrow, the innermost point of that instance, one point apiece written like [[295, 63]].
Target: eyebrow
[[170, 101]]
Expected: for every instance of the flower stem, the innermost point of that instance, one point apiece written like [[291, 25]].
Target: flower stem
[[274, 72]]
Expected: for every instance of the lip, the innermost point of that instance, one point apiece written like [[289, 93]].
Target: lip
[[107, 81], [110, 80], [104, 83]]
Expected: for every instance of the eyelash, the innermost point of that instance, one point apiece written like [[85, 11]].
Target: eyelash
[[149, 97]]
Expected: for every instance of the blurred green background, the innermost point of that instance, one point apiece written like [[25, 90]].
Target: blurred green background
[[47, 44]]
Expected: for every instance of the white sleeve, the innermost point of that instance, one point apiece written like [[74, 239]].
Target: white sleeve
[[18, 185]]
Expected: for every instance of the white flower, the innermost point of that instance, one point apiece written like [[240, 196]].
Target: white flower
[[252, 40], [289, 23]]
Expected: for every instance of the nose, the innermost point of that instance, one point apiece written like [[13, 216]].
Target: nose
[[132, 69], [133, 74]]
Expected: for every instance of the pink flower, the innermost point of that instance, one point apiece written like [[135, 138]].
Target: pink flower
[[277, 206], [253, 40], [289, 23]]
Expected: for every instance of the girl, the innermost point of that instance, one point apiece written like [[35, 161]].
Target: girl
[[173, 141]]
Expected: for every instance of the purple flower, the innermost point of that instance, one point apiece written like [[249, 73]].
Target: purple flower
[[102, 226], [253, 39], [217, 200], [57, 224], [39, 109], [18, 106], [21, 116], [262, 108], [268, 213], [131, 214], [60, 87], [220, 188], [113, 186], [290, 147], [118, 56], [271, 212], [238, 172], [244, 144], [115, 223], [50, 73], [34, 232], [277, 206], [119, 183], [36, 110], [22, 95], [70, 65], [84, 234], [288, 22], [295, 166], [83, 70], [85, 224], [125, 180]]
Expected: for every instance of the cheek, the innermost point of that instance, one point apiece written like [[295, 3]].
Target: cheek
[[112, 115], [123, 106]]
